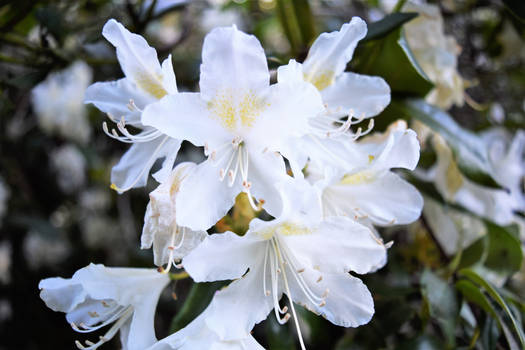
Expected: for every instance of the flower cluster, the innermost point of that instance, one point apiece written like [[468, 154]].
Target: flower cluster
[[325, 207]]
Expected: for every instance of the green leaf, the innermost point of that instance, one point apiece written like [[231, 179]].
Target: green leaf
[[442, 303], [469, 150], [197, 300], [278, 336], [473, 276], [504, 251], [391, 58], [389, 23]]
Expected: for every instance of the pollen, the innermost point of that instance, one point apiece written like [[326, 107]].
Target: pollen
[[358, 178], [152, 85], [322, 80], [234, 110]]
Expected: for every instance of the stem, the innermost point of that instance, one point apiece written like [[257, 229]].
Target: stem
[[399, 5], [179, 276]]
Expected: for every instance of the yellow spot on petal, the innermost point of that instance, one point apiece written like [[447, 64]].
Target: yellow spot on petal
[[321, 80], [114, 187], [236, 110], [358, 178], [370, 158], [151, 84], [286, 229], [454, 179]]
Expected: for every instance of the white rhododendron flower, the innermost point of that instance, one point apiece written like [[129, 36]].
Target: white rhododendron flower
[[59, 102], [198, 335], [146, 81], [345, 94], [494, 204], [506, 154], [370, 190], [97, 296], [436, 53], [70, 166], [300, 254], [241, 120], [170, 241]]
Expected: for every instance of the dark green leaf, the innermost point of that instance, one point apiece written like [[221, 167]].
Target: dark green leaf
[[442, 303], [391, 58], [504, 254], [386, 25], [278, 336], [197, 300], [495, 295]]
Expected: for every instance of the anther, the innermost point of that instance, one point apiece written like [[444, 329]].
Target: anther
[[300, 270], [322, 303], [325, 294], [320, 279]]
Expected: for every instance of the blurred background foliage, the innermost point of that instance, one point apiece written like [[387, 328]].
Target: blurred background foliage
[[58, 213]]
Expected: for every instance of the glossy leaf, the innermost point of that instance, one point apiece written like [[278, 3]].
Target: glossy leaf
[[386, 25], [504, 251], [391, 58]]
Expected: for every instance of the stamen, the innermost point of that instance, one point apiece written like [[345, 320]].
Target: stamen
[[124, 316], [172, 248]]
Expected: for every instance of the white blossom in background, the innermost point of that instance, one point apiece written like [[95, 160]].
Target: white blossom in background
[[41, 250], [58, 102], [453, 229], [345, 94], [5, 262], [436, 53], [494, 204], [241, 120], [6, 310], [98, 296], [507, 155], [4, 197], [198, 335], [146, 81], [70, 166], [170, 241], [300, 254]]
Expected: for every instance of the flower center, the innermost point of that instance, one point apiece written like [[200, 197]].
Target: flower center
[[234, 158], [236, 111]]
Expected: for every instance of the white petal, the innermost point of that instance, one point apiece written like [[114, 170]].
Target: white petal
[[61, 294], [338, 245], [290, 105], [133, 168], [265, 171], [331, 52], [384, 198], [185, 116], [230, 253], [348, 302], [168, 76], [291, 72], [363, 94], [397, 149], [204, 199], [137, 59], [113, 97], [169, 151], [236, 309], [232, 60], [127, 286]]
